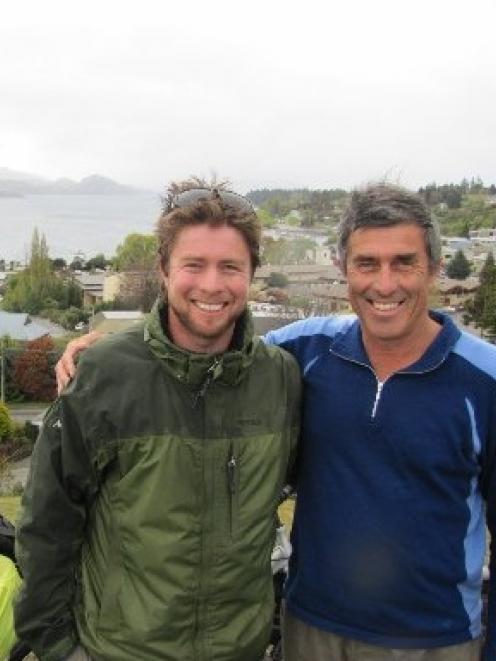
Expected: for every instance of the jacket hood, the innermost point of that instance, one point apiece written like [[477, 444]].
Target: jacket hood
[[194, 368]]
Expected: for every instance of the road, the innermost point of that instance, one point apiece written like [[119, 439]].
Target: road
[[22, 414]]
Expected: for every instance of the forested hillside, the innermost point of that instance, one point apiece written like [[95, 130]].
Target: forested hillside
[[458, 207]]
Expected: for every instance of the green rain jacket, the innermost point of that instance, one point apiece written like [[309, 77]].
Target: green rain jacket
[[148, 517]]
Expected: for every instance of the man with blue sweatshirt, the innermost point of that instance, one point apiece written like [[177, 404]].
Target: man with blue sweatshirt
[[397, 474]]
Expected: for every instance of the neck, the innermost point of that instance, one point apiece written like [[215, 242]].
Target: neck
[[388, 356]]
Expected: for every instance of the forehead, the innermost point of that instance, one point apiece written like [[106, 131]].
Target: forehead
[[210, 242], [387, 242]]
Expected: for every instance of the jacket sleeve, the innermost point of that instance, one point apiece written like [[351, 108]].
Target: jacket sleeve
[[294, 410], [60, 488], [489, 492]]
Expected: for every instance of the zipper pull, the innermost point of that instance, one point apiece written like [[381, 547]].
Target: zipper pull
[[232, 466], [212, 372]]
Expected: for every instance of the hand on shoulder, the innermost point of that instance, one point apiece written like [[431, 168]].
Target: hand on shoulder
[[65, 369]]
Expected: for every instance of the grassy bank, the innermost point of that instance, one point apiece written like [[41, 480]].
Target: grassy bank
[[286, 511], [9, 507]]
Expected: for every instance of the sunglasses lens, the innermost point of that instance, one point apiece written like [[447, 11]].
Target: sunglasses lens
[[235, 201]]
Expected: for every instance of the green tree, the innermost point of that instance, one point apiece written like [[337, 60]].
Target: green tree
[[27, 290], [277, 279], [58, 264], [481, 310], [137, 253], [453, 198], [77, 264], [266, 218], [459, 267], [38, 287], [99, 261], [137, 258]]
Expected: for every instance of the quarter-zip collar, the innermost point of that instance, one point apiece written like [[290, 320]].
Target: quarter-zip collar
[[349, 345], [194, 368]]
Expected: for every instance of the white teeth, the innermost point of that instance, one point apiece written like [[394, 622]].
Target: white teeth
[[209, 307], [384, 307]]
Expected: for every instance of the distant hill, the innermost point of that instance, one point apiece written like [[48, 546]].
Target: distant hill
[[16, 175], [14, 183]]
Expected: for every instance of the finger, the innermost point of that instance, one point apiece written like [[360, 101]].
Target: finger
[[62, 378]]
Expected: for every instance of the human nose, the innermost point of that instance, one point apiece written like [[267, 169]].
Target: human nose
[[211, 279], [385, 282]]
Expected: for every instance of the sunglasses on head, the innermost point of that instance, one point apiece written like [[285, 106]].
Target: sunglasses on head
[[227, 199]]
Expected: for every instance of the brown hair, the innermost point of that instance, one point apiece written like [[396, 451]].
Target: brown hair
[[211, 210]]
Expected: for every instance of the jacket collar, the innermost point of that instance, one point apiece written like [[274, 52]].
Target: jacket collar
[[195, 368], [349, 345]]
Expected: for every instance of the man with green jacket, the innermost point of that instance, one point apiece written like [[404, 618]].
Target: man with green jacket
[[148, 517]]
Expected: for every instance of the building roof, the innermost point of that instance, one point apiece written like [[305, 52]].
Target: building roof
[[21, 326], [90, 281], [121, 314], [446, 285], [301, 272], [112, 321]]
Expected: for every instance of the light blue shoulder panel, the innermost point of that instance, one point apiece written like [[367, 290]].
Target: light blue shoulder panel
[[478, 352]]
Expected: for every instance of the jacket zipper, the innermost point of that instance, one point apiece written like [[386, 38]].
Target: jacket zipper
[[232, 484], [208, 379], [380, 386]]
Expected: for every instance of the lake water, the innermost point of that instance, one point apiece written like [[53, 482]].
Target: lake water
[[72, 224]]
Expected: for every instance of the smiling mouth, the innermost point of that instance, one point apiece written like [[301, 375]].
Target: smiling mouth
[[209, 307], [386, 307]]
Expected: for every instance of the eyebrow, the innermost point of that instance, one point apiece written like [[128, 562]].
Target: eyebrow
[[400, 255], [198, 258]]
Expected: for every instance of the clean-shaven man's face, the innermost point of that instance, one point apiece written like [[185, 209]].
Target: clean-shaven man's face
[[389, 278]]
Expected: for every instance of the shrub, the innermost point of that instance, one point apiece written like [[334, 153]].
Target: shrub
[[6, 423], [33, 370], [17, 489]]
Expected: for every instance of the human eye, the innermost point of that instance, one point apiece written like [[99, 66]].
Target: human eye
[[192, 265], [365, 264], [231, 267], [405, 262]]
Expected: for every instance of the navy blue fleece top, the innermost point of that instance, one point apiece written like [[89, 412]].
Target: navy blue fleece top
[[393, 483]]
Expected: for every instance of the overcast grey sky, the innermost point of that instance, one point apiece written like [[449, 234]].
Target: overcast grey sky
[[309, 93]]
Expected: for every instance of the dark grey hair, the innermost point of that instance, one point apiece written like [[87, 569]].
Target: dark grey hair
[[384, 205]]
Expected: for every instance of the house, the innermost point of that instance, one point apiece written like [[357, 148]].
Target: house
[[301, 273], [321, 255], [329, 298], [483, 233], [454, 293], [24, 327], [269, 316], [92, 286], [112, 321]]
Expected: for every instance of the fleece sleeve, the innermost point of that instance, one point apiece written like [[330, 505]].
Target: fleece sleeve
[[489, 484]]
